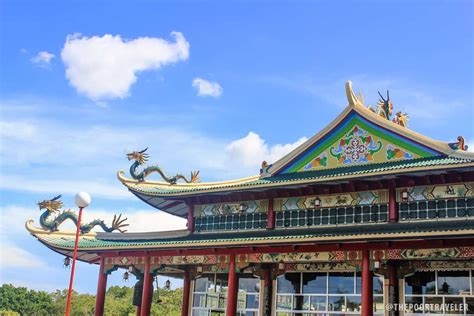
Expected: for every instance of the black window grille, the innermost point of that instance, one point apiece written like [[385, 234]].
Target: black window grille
[[332, 216], [231, 222], [436, 209]]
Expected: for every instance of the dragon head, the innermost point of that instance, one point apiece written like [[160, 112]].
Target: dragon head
[[140, 156], [386, 105], [52, 205]]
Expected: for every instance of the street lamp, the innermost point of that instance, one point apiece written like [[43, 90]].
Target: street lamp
[[82, 199]]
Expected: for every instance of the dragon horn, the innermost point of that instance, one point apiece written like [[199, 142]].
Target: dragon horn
[[381, 95], [141, 152], [56, 198], [388, 95]]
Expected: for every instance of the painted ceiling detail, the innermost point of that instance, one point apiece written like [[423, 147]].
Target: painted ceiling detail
[[357, 141]]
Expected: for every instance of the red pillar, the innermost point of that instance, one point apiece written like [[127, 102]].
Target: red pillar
[[186, 289], [101, 288], [191, 218], [367, 289], [392, 206], [139, 310], [393, 286], [233, 284], [271, 215], [267, 280], [146, 295]]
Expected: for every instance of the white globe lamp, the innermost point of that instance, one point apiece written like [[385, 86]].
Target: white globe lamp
[[83, 199]]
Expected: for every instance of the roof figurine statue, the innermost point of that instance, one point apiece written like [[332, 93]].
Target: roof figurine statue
[[401, 119], [55, 204], [384, 107], [141, 157], [459, 145]]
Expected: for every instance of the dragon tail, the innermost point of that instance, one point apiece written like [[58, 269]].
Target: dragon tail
[[117, 224], [194, 177]]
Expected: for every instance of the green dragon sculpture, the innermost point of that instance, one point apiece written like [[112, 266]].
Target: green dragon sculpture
[[141, 157], [51, 224]]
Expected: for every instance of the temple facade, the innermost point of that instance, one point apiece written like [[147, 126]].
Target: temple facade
[[367, 217]]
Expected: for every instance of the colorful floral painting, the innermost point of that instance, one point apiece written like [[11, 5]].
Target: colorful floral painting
[[320, 161], [397, 153], [356, 147]]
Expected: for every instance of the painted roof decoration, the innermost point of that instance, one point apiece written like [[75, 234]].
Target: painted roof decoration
[[49, 223], [141, 157], [360, 142]]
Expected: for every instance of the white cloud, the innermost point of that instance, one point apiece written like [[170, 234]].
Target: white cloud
[[97, 188], [42, 59], [207, 88], [12, 256], [251, 150], [106, 67]]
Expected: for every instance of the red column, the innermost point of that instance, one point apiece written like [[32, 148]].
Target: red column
[[146, 295], [139, 310], [271, 215], [367, 289], [101, 288], [267, 300], [186, 289], [393, 286], [392, 206], [191, 218], [233, 284]]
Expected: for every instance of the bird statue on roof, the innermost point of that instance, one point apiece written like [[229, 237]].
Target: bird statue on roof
[[55, 204], [141, 157]]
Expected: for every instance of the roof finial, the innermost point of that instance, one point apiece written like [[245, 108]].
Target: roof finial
[[351, 97]]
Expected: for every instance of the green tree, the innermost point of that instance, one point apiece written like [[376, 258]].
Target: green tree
[[24, 301]]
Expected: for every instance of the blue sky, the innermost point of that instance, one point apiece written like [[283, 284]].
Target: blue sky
[[206, 85]]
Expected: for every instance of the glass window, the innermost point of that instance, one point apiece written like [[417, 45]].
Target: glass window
[[420, 283], [314, 283], [377, 284], [204, 284], [453, 282], [341, 283], [249, 284], [454, 305], [353, 304], [318, 303], [336, 303], [289, 283]]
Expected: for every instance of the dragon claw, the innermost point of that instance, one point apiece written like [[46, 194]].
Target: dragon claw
[[118, 223]]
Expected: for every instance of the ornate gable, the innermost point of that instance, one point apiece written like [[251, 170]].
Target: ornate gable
[[361, 135], [357, 141]]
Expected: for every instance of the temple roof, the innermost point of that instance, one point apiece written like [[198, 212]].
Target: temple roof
[[63, 242], [359, 143]]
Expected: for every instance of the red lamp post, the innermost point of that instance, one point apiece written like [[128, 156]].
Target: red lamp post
[[82, 200]]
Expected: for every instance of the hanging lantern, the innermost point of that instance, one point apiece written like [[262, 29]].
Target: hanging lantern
[[126, 276], [167, 284], [317, 202], [158, 299], [405, 195], [67, 262]]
